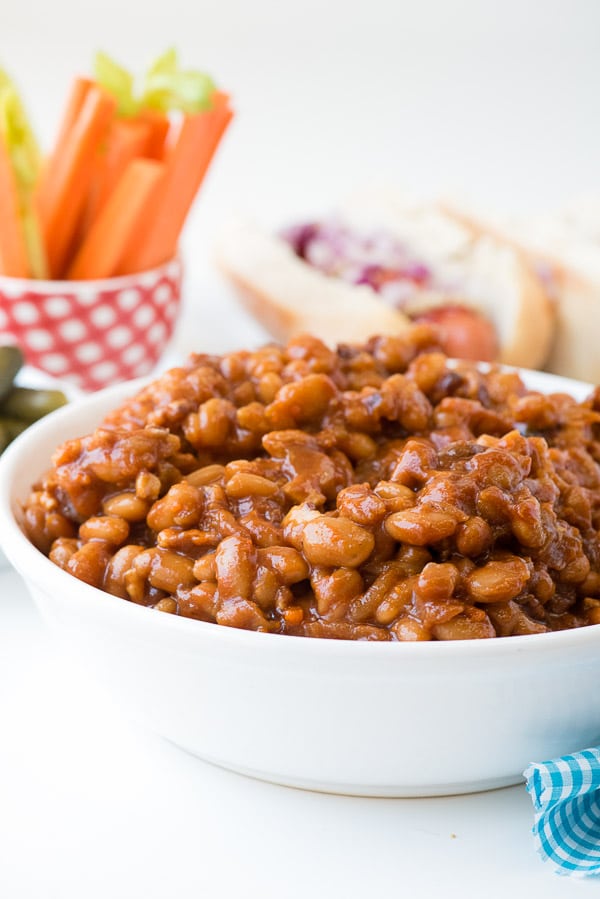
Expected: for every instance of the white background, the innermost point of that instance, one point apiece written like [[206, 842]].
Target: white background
[[494, 102], [497, 101]]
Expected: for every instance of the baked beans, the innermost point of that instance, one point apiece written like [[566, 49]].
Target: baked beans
[[376, 492]]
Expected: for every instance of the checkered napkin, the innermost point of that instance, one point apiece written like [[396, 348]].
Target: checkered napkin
[[566, 798]]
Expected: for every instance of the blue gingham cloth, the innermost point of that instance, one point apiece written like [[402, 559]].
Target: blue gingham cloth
[[566, 800]]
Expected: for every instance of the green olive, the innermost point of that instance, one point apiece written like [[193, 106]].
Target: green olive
[[4, 437], [11, 361], [12, 427], [21, 406], [28, 404]]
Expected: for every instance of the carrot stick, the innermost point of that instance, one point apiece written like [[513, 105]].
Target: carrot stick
[[187, 162], [79, 92], [13, 250], [120, 217], [126, 140], [68, 178], [158, 128]]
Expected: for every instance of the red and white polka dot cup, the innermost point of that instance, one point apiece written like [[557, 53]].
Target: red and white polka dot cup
[[92, 333]]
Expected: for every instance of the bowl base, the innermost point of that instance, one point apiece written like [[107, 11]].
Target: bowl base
[[381, 791]]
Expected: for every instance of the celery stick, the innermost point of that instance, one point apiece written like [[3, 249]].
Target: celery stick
[[188, 91], [34, 243], [167, 64], [168, 87], [118, 82], [26, 162], [17, 130]]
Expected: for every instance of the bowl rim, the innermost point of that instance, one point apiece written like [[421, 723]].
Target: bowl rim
[[26, 558], [117, 282]]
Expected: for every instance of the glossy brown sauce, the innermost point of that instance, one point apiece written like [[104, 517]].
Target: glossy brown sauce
[[376, 492]]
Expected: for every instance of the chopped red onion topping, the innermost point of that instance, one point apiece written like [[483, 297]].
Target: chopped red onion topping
[[376, 259]]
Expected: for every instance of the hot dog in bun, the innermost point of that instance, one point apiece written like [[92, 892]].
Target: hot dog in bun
[[382, 262]]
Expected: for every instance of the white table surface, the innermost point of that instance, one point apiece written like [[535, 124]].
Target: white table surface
[[491, 100]]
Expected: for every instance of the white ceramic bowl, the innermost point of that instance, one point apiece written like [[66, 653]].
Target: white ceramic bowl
[[390, 719]]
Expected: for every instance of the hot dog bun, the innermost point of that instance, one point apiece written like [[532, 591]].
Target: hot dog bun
[[565, 251], [289, 297], [477, 268], [566, 247]]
